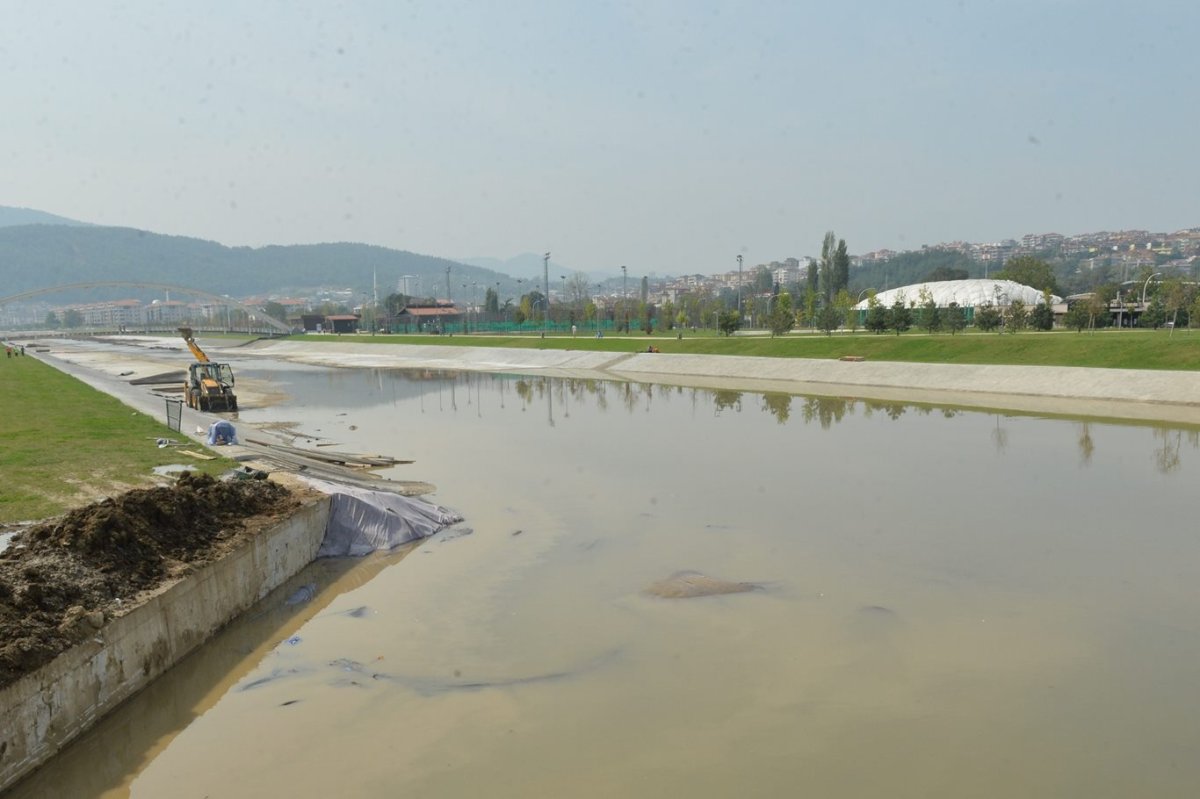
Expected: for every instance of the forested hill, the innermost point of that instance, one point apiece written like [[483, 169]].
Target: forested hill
[[28, 216], [40, 256]]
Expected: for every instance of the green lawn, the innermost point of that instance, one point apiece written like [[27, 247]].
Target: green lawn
[[64, 443], [1150, 349]]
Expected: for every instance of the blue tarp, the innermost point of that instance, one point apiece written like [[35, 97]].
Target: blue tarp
[[221, 432]]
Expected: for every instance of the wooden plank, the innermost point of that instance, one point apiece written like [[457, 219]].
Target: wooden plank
[[329, 456], [199, 455]]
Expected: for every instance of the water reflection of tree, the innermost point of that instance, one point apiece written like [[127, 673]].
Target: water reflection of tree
[[726, 398], [779, 405], [826, 410], [525, 391], [893, 410], [597, 387], [1086, 445], [628, 396], [1166, 457]]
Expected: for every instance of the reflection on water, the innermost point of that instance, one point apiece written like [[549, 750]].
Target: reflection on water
[[557, 394], [1087, 446], [950, 605]]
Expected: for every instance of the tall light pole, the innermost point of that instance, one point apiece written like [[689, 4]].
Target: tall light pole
[[546, 286], [624, 291], [739, 304], [520, 296], [475, 302], [1146, 285], [374, 299], [448, 299]]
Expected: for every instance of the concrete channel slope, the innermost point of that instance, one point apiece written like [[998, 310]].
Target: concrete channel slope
[[48, 708], [1148, 395]]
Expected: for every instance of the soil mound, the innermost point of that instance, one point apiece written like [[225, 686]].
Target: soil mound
[[60, 580]]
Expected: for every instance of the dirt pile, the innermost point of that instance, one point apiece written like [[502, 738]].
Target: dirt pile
[[61, 580]]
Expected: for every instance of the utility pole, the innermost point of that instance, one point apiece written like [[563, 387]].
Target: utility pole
[[546, 289], [739, 305], [624, 294]]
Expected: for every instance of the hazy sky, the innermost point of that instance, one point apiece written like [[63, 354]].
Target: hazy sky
[[669, 136]]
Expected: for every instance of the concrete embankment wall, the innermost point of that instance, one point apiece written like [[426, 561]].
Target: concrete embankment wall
[[1157, 395], [46, 709]]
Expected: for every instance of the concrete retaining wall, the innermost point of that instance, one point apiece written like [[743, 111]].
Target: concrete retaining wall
[[45, 710], [1158, 395]]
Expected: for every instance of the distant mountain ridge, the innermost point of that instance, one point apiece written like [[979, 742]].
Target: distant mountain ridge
[[11, 217], [41, 255]]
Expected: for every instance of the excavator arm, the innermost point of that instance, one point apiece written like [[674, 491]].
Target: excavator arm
[[208, 386], [186, 332]]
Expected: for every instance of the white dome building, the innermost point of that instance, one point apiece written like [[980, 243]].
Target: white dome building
[[967, 293]]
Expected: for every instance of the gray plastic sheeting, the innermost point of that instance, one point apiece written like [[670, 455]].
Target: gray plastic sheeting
[[362, 521]]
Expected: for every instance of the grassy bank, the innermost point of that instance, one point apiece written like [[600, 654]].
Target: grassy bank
[[65, 444], [1111, 349]]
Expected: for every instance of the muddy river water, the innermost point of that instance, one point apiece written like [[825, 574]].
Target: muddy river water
[[953, 603]]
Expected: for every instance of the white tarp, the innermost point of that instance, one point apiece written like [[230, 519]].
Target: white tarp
[[362, 521]]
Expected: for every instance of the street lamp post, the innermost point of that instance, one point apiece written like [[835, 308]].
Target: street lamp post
[[624, 293], [739, 295], [1146, 285], [546, 287], [545, 310]]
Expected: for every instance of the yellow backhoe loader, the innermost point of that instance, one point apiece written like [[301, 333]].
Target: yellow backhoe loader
[[209, 386]]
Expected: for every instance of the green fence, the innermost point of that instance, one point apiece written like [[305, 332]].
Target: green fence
[[513, 329]]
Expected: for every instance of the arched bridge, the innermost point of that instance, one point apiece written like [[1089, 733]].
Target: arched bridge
[[253, 313]]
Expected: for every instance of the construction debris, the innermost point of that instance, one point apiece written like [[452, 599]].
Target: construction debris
[[334, 457]]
